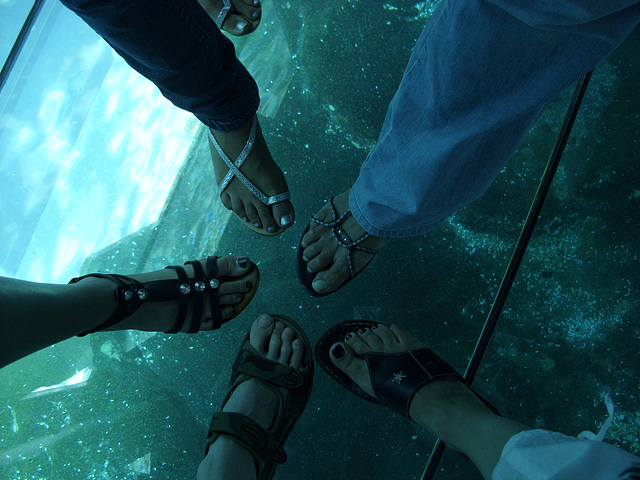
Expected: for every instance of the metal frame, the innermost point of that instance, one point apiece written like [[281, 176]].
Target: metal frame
[[516, 258]]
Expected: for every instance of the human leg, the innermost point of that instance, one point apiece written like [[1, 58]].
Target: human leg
[[501, 448], [286, 349], [177, 45], [478, 77], [36, 315]]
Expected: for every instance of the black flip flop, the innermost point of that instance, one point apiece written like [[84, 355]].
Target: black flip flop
[[395, 377]]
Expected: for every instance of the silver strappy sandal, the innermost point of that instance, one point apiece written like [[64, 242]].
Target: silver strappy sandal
[[234, 171], [223, 13]]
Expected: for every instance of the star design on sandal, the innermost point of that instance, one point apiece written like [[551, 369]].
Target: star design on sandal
[[397, 377]]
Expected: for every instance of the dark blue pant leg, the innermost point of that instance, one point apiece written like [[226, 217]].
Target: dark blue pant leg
[[176, 45]]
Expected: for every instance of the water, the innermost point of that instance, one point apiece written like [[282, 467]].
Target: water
[[85, 190]]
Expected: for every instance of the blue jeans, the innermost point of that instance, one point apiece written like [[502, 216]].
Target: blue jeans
[[480, 74], [176, 45]]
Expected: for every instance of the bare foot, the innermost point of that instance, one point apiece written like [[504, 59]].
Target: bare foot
[[237, 279], [262, 171], [326, 257], [227, 459], [243, 18]]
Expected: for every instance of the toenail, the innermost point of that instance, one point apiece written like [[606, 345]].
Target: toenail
[[362, 331], [338, 351], [271, 229], [241, 25], [374, 326], [319, 285], [265, 321], [244, 219], [242, 262], [254, 14], [286, 219], [348, 336], [256, 224], [247, 285], [256, 2]]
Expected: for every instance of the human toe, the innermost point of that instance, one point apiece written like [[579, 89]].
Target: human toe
[[287, 337], [327, 280], [260, 333], [368, 336], [356, 343], [405, 339], [249, 9], [284, 213], [275, 342], [233, 266], [266, 219], [297, 354], [235, 205], [345, 358]]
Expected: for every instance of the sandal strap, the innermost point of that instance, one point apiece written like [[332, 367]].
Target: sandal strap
[[234, 168], [132, 294], [214, 296], [223, 13], [183, 300], [126, 295], [248, 433], [396, 377], [342, 238], [270, 371], [198, 295]]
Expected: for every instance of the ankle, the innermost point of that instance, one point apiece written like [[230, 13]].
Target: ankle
[[226, 458], [440, 406]]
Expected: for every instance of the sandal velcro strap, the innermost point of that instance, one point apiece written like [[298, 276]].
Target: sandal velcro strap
[[268, 370], [248, 433], [396, 377]]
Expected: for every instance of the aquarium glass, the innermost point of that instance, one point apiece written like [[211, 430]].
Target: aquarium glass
[[100, 173]]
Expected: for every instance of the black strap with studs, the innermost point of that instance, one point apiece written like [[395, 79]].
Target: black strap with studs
[[131, 294], [214, 297]]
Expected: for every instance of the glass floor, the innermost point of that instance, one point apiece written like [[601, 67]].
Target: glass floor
[[98, 172]]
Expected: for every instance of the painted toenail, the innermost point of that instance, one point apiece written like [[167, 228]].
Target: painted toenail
[[241, 25], [271, 229], [348, 336], [361, 331], [256, 224], [254, 14], [247, 285], [244, 219], [265, 322], [286, 220], [374, 326], [242, 262], [338, 351]]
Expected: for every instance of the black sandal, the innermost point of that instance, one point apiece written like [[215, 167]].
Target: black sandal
[[395, 377], [132, 294]]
